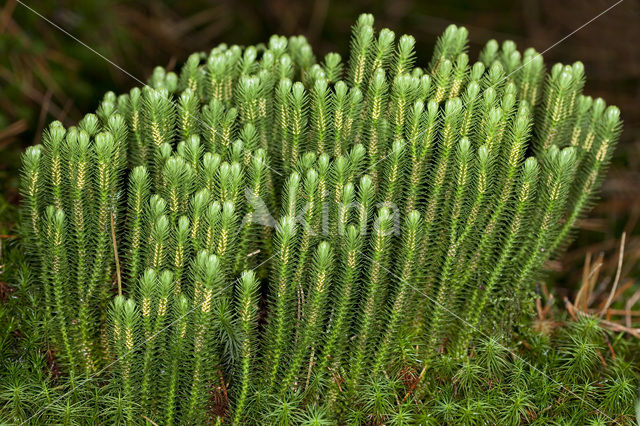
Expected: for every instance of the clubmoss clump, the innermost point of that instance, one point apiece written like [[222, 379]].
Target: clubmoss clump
[[384, 207]]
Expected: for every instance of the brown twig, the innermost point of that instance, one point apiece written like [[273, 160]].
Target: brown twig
[[586, 270], [620, 291], [589, 278], [570, 309], [548, 305], [539, 308], [337, 378], [617, 278], [6, 13], [613, 353], [627, 307], [306, 385], [11, 130], [415, 383], [593, 278], [149, 420], [115, 254], [621, 312], [224, 388], [609, 325], [613, 326]]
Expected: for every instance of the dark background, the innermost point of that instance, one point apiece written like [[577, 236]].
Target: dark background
[[46, 75]]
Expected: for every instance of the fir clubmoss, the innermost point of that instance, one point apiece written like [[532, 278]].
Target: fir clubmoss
[[306, 245]]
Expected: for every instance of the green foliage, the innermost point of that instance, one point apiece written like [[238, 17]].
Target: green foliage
[[417, 209], [530, 386]]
